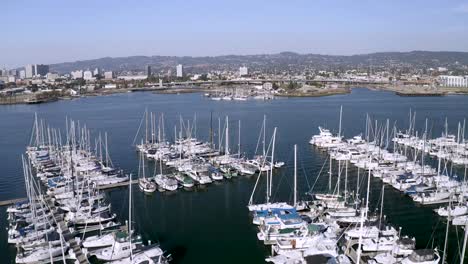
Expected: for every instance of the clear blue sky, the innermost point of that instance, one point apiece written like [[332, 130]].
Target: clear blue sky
[[50, 31]]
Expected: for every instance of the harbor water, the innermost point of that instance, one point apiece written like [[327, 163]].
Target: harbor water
[[212, 224]]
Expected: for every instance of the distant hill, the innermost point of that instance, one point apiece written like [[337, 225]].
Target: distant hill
[[280, 61]]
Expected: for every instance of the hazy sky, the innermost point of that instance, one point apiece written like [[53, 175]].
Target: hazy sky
[[57, 31]]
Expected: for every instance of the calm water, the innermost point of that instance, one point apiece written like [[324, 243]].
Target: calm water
[[212, 225]]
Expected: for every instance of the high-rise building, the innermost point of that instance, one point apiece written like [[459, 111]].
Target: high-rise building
[[77, 74], [109, 75], [22, 74], [243, 71], [14, 72], [97, 72], [148, 71], [41, 69], [29, 71], [88, 75], [180, 70]]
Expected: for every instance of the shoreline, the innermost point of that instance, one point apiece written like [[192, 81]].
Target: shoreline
[[404, 91]]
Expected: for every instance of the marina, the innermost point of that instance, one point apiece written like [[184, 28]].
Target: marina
[[262, 135]]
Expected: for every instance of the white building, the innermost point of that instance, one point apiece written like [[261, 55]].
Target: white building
[[453, 81], [267, 86], [77, 74], [243, 71], [29, 71], [180, 70], [133, 77], [109, 75], [22, 74], [88, 76], [52, 76], [110, 86]]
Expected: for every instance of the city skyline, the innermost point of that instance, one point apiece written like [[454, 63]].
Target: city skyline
[[64, 32]]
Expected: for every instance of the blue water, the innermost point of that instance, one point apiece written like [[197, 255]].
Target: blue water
[[212, 225]]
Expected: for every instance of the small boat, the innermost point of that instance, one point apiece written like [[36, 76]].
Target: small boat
[[184, 180], [279, 164]]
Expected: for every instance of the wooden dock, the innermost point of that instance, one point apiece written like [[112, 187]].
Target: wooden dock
[[115, 185], [12, 201], [103, 187]]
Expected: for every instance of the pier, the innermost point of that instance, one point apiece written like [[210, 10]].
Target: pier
[[12, 201], [103, 187]]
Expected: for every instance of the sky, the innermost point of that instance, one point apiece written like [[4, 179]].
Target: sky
[[53, 31]]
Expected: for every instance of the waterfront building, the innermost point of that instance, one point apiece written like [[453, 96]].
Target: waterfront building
[[180, 70], [148, 70], [132, 77], [29, 71], [109, 75], [41, 69], [243, 71], [77, 74], [453, 81], [110, 86], [267, 86]]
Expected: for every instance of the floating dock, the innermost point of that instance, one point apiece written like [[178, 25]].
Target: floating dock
[[103, 187]]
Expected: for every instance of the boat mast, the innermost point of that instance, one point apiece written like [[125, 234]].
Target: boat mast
[[295, 175], [447, 229], [264, 134], [226, 152], [462, 257], [130, 214], [381, 205], [330, 175], [341, 114], [146, 130], [219, 133], [211, 128], [272, 161], [239, 144]]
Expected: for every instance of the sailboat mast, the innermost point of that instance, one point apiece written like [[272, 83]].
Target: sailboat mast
[[239, 143], [381, 205], [446, 231], [146, 131], [295, 175], [330, 175], [211, 128], [227, 136], [272, 161], [339, 129], [264, 134], [130, 214]]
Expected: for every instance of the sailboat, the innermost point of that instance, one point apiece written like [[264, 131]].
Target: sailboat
[[268, 205], [145, 184], [165, 182], [122, 250]]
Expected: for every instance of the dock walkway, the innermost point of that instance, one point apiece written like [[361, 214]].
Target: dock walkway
[[103, 187]]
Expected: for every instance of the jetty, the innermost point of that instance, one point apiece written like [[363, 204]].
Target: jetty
[[103, 187]]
